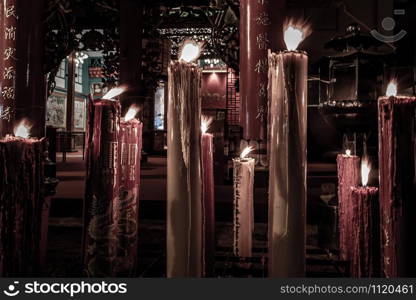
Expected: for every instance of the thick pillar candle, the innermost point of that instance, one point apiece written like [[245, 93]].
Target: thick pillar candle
[[288, 73], [184, 183], [348, 177], [209, 202], [243, 206], [126, 206], [397, 161], [21, 194], [102, 188]]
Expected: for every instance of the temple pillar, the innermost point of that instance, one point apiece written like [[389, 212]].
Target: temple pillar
[[23, 85], [261, 28], [131, 52]]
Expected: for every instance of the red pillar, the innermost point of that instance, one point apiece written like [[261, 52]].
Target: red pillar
[[23, 88], [130, 51], [261, 28]]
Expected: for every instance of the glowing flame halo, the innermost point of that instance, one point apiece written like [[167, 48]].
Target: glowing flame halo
[[294, 34], [190, 51], [392, 89], [114, 92], [348, 152], [246, 152], [131, 113], [205, 123], [365, 170], [22, 130]]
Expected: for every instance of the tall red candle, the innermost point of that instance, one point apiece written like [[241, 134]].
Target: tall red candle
[[348, 178], [397, 157], [102, 188], [208, 202], [126, 206]]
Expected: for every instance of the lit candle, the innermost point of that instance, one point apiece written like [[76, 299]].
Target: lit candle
[[288, 72], [243, 203], [208, 196], [102, 185], [397, 163], [348, 177], [184, 182], [364, 239], [126, 207], [21, 193]]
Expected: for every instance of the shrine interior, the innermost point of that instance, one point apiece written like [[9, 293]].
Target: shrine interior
[[207, 138]]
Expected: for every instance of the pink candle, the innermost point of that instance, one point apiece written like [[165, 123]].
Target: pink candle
[[348, 177], [126, 207], [208, 201], [397, 160]]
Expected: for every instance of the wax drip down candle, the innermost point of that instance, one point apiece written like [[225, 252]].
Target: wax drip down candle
[[22, 198], [126, 206], [243, 203], [102, 186], [348, 177], [208, 195], [364, 239], [397, 160], [288, 72], [184, 182]]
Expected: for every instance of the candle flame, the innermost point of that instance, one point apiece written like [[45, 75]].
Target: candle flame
[[365, 170], [131, 113], [348, 152], [114, 92], [205, 123], [392, 89], [22, 130], [294, 34], [190, 51], [246, 152]]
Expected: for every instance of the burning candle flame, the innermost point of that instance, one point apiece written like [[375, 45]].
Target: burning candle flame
[[131, 113], [205, 123], [22, 130], [365, 170], [392, 89], [190, 51], [294, 34], [348, 152], [246, 152], [111, 94]]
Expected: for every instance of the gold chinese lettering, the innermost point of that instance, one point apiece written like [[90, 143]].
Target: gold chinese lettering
[[261, 66], [262, 90], [6, 114], [8, 73], [10, 33], [9, 53], [10, 11], [8, 93], [263, 19], [263, 41]]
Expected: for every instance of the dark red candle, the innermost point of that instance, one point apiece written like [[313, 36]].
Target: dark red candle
[[102, 187], [397, 184], [126, 206], [364, 241], [21, 194], [348, 177]]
